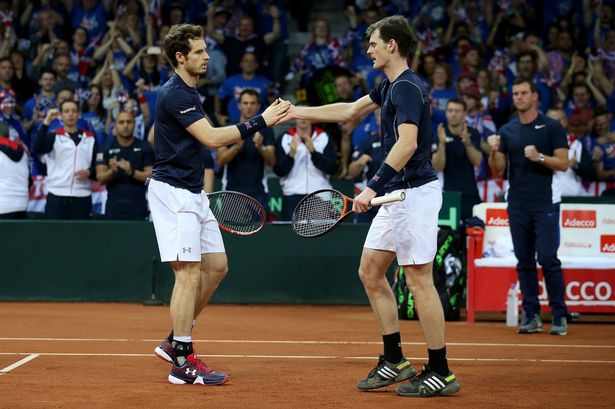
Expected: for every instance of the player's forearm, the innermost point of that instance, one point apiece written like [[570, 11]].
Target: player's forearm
[[400, 154], [338, 112], [214, 138]]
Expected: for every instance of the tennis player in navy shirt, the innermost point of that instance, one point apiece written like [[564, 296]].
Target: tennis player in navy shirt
[[187, 233], [406, 230], [533, 146]]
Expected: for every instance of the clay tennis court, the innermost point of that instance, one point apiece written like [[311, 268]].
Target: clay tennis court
[[73, 355]]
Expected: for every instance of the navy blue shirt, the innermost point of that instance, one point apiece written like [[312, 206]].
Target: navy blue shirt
[[531, 183], [246, 172], [458, 171], [126, 195], [180, 157], [406, 100], [372, 148]]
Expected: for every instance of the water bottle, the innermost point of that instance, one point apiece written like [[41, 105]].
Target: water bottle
[[512, 307]]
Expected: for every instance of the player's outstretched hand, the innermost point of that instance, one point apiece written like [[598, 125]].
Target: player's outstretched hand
[[290, 114], [276, 112]]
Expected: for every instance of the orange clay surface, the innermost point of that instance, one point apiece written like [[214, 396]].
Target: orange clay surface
[[100, 356]]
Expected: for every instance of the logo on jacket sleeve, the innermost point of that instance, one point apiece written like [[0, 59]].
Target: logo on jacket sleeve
[[185, 111]]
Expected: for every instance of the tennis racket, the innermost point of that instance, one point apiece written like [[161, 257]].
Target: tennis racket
[[237, 213], [321, 211]]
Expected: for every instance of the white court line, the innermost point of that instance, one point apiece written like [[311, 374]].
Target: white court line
[[312, 342], [300, 357], [19, 363]]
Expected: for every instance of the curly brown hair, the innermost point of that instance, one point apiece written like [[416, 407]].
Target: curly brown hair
[[178, 40]]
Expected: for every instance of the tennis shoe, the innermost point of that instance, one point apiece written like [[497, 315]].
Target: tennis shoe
[[195, 372], [559, 326], [386, 373], [531, 325], [165, 351], [429, 383]]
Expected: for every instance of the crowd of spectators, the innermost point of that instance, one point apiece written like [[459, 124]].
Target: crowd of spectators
[[106, 55]]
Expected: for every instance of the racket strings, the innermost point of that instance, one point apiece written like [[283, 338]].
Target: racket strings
[[237, 212], [318, 213]]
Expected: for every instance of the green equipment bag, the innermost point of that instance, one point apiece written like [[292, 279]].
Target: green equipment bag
[[449, 279]]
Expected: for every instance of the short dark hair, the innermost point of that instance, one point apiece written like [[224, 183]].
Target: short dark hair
[[529, 81], [395, 28], [249, 91], [457, 100], [87, 33], [581, 85], [122, 111], [71, 100], [47, 71], [178, 40], [599, 111], [531, 53]]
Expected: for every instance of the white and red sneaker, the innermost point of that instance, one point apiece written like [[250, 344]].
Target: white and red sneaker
[[195, 372]]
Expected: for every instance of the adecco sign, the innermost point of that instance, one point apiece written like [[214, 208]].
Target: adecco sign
[[580, 219], [497, 218], [582, 227], [607, 243]]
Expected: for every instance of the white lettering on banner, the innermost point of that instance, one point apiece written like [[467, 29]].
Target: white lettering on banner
[[583, 219], [589, 224], [497, 221], [607, 243], [497, 217], [581, 293], [576, 291]]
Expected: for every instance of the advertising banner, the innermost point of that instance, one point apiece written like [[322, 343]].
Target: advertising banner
[[586, 230]]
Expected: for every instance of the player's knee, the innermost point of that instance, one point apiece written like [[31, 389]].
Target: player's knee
[[219, 272], [187, 275], [370, 279], [419, 281]]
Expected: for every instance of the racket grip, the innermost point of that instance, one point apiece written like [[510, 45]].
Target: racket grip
[[393, 197]]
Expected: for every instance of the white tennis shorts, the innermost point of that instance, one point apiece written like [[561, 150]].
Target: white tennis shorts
[[185, 227], [409, 228]]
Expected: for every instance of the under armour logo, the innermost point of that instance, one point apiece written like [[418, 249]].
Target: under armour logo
[[190, 371], [186, 249]]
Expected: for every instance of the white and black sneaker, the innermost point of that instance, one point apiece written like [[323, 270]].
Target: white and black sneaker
[[428, 383], [386, 373]]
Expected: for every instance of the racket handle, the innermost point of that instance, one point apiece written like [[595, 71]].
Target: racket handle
[[393, 197]]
